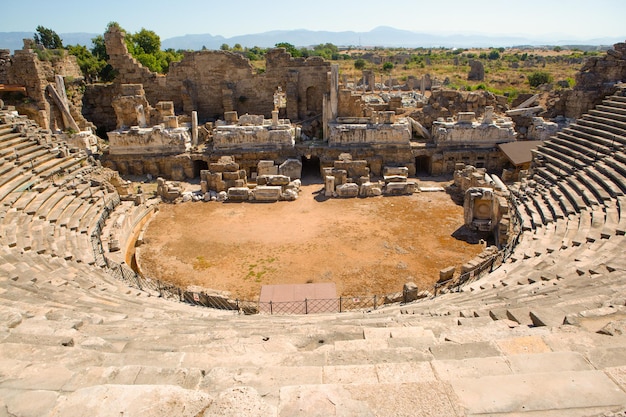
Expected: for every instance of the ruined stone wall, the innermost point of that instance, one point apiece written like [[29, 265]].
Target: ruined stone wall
[[349, 104], [5, 64], [213, 82], [596, 79], [447, 103], [28, 70], [97, 105]]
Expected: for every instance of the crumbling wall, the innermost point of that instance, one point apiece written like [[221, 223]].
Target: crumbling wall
[[447, 103], [596, 79], [214, 82], [5, 63], [35, 75]]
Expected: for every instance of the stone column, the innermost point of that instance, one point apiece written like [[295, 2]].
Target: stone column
[[274, 117], [325, 115], [329, 188], [488, 117], [194, 128], [334, 91]]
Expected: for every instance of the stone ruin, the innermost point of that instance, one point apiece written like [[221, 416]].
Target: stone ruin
[[351, 178], [144, 130], [225, 181], [253, 132], [466, 131], [485, 205]]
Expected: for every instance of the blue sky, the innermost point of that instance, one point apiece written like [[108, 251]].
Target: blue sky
[[573, 19]]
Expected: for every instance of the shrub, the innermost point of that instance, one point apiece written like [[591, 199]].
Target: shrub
[[359, 64], [539, 77]]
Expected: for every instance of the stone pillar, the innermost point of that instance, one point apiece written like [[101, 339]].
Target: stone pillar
[[274, 117], [325, 116], [141, 116], [488, 118], [194, 128], [423, 85], [60, 82], [329, 188], [334, 90]]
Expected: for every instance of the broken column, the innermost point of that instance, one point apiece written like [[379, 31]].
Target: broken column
[[194, 128]]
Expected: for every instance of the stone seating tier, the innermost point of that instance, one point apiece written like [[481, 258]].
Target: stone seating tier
[[74, 336], [524, 338]]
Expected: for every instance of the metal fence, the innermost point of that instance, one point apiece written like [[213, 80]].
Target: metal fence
[[171, 291]]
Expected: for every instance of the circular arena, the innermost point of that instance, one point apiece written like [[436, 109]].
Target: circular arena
[[542, 331]]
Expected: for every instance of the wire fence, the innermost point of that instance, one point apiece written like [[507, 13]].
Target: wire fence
[[217, 300]]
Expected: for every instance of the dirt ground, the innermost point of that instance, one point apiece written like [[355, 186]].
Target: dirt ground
[[365, 246]]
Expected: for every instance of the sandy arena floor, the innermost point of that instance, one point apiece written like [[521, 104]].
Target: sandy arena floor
[[365, 246]]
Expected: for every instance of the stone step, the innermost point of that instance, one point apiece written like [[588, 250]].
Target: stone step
[[604, 181], [583, 142], [573, 393], [612, 109], [608, 121], [595, 125]]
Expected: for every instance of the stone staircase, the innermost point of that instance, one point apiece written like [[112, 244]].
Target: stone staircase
[[543, 335]]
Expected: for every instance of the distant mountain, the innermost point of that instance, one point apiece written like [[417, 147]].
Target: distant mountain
[[382, 36]]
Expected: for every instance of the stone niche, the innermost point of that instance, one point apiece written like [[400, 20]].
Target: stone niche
[[480, 209], [467, 131], [251, 132]]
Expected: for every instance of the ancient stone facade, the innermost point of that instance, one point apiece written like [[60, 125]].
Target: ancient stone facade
[[214, 82]]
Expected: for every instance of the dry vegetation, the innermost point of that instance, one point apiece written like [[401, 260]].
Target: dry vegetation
[[506, 70]]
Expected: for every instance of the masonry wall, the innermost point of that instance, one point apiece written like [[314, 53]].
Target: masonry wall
[[212, 82]]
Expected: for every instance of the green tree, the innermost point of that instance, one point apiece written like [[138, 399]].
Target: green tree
[[237, 47], [359, 64], [290, 48], [47, 38], [147, 41], [539, 77], [225, 47], [387, 66]]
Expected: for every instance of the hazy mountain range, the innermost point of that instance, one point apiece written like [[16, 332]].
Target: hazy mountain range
[[380, 36]]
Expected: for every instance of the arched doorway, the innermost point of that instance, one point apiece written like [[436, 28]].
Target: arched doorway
[[199, 165]]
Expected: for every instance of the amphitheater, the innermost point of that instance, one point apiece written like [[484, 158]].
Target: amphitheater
[[543, 334]]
